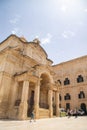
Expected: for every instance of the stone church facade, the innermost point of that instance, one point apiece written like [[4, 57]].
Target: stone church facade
[[26, 80], [72, 76]]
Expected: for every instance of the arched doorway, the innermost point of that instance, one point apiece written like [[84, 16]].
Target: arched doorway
[[83, 107], [45, 80]]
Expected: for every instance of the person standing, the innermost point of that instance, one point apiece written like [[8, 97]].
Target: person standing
[[76, 113], [68, 113], [32, 116]]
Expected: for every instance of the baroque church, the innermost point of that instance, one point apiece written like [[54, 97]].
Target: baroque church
[[28, 81]]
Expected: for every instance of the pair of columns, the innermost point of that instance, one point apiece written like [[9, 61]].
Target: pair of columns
[[24, 105], [50, 95]]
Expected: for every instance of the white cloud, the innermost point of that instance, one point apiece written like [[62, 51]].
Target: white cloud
[[16, 31], [15, 20], [68, 34], [37, 36], [47, 39]]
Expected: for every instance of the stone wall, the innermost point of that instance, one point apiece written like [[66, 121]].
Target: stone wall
[[71, 70]]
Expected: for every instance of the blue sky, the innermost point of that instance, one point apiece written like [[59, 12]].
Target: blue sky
[[60, 25]]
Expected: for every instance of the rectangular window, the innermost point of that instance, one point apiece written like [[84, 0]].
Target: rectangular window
[[67, 106]]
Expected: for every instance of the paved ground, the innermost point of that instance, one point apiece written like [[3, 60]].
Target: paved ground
[[60, 123]]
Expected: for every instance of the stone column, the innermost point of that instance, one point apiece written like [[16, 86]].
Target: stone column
[[50, 93], [12, 98], [36, 100], [57, 103], [24, 105], [13, 94], [5, 86]]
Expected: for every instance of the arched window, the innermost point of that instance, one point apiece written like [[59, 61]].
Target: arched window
[[66, 81], [81, 95], [67, 106], [67, 96], [80, 79]]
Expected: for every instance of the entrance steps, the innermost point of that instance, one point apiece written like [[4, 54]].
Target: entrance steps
[[43, 113]]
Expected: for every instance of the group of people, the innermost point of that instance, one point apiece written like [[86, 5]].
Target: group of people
[[69, 114], [72, 112]]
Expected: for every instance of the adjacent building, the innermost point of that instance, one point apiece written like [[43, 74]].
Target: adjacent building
[[72, 76]]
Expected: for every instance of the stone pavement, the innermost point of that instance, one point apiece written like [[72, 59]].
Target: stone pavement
[[60, 123]]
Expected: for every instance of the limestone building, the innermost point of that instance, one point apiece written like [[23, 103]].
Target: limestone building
[[26, 80], [72, 76]]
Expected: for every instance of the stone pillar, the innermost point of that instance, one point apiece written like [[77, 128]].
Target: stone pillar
[[57, 103], [24, 105], [36, 100], [5, 86], [12, 98], [50, 93], [13, 94]]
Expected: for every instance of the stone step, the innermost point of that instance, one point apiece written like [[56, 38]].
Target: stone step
[[43, 113]]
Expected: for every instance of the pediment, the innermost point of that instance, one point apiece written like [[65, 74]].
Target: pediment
[[13, 42], [36, 52], [38, 48], [31, 49]]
